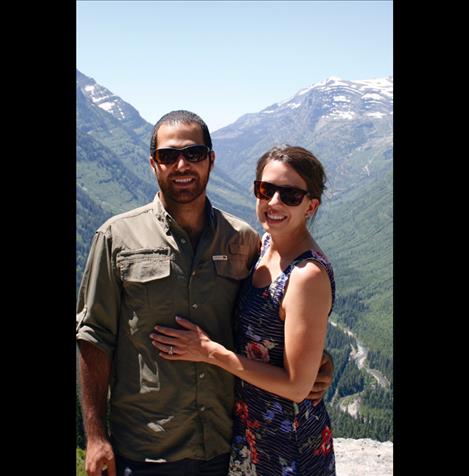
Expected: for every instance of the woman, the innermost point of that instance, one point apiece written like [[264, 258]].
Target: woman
[[281, 328]]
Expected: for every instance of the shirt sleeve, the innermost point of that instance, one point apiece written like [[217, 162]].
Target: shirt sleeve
[[255, 246], [99, 297]]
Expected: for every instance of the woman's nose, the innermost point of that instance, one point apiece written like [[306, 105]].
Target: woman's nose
[[275, 199]]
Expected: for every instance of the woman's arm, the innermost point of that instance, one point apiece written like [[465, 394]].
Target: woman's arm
[[306, 305]]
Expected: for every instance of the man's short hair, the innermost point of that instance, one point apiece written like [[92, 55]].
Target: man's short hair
[[185, 117]]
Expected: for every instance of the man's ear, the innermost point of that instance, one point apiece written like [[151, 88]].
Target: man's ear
[[212, 159], [153, 164]]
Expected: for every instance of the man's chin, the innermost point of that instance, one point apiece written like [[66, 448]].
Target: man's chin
[[184, 197]]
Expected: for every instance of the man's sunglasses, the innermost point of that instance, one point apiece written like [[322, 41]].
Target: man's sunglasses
[[192, 153], [290, 196]]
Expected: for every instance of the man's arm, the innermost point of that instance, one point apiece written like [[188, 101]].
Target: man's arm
[[95, 370], [324, 378]]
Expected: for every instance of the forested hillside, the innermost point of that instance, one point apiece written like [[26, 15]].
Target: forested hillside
[[349, 126]]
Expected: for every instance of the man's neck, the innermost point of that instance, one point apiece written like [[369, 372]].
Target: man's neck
[[189, 216]]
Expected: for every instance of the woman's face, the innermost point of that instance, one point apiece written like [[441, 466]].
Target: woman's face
[[273, 214]]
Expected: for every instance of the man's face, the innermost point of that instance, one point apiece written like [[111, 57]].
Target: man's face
[[182, 181]]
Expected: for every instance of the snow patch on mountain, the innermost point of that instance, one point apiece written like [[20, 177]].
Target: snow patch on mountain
[[379, 115], [342, 114], [345, 100], [104, 99]]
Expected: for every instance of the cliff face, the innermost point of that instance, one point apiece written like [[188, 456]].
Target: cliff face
[[363, 457]]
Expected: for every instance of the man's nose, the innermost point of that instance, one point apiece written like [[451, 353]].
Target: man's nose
[[181, 162]]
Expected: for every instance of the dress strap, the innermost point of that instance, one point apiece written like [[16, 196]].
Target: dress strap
[[265, 243]]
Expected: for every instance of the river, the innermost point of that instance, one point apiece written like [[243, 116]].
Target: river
[[359, 354]]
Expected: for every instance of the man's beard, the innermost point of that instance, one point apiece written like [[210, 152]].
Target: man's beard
[[182, 195]]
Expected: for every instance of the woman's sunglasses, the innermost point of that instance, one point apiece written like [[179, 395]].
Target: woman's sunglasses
[[192, 153], [290, 196]]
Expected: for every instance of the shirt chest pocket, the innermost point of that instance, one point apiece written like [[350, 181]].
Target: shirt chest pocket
[[146, 279], [234, 265]]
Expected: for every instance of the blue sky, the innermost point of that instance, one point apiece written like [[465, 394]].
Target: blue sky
[[224, 59]]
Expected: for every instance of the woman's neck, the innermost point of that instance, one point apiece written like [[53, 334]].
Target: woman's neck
[[292, 244]]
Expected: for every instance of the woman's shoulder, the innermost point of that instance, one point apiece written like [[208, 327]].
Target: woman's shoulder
[[318, 255], [311, 265], [318, 252], [314, 254], [310, 268], [314, 270]]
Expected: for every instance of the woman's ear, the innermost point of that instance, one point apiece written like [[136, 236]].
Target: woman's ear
[[312, 207]]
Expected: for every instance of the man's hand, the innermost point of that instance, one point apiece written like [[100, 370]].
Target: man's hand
[[99, 457], [323, 379]]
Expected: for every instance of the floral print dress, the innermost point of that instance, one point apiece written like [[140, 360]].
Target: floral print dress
[[272, 435]]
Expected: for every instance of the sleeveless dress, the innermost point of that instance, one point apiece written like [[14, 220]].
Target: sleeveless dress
[[272, 435]]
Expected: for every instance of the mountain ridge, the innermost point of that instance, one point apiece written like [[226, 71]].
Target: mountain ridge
[[338, 120], [353, 226]]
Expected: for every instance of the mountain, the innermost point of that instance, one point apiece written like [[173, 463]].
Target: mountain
[[114, 124], [105, 100], [113, 170], [348, 125]]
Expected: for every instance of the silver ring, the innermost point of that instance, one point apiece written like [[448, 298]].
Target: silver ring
[[170, 351]]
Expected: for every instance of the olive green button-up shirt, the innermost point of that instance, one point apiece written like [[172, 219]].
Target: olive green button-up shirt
[[142, 271]]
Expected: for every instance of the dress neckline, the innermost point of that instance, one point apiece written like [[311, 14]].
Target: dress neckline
[[308, 252]]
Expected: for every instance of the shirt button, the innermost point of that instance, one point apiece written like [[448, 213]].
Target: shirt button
[[202, 375], [183, 241], [202, 408], [194, 306]]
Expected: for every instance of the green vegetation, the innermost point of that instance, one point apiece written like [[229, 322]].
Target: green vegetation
[[80, 471], [352, 380], [375, 414], [355, 230], [377, 360], [354, 226], [338, 345], [376, 427]]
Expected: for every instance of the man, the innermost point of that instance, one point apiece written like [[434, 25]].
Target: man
[[174, 256]]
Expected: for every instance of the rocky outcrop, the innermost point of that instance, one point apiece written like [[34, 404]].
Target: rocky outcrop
[[363, 457]]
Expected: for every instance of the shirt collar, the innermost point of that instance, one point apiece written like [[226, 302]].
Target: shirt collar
[[167, 220]]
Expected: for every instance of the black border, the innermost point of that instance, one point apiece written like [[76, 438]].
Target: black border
[[40, 245], [424, 326]]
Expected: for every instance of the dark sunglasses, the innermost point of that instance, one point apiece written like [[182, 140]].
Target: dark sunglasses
[[290, 196], [192, 153]]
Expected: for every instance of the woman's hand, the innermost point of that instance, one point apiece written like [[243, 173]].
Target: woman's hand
[[191, 344]]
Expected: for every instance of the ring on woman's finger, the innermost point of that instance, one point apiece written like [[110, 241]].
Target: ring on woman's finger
[[170, 351]]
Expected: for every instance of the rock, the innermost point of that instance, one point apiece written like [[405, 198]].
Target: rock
[[363, 457]]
